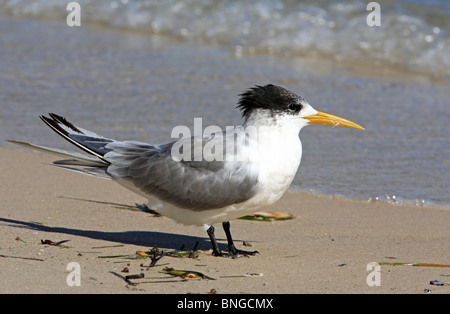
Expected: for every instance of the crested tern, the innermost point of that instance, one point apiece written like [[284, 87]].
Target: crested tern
[[250, 168]]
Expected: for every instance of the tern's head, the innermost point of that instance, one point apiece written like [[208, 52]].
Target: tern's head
[[275, 104]]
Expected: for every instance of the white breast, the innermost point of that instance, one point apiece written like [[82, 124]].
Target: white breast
[[278, 158]]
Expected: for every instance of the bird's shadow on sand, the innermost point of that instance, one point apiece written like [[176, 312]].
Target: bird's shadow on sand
[[140, 238]]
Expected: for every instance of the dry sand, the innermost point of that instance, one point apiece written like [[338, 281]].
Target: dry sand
[[325, 249]]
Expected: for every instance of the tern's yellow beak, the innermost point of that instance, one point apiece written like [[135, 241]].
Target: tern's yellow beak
[[326, 118]]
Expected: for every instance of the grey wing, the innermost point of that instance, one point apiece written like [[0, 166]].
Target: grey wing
[[192, 184]]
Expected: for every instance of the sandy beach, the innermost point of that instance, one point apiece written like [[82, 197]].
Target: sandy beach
[[325, 249], [136, 69]]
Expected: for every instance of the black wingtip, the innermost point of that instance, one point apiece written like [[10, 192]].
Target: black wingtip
[[64, 121], [56, 123], [53, 124]]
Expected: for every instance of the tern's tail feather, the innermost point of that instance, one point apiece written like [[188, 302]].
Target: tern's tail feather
[[74, 159], [86, 140]]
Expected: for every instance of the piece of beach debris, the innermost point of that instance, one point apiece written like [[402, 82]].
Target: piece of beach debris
[[123, 278], [128, 277], [50, 242], [193, 253], [107, 246], [20, 257], [253, 274], [142, 253], [185, 273], [414, 264], [137, 276], [19, 239], [114, 256], [438, 283], [37, 223], [268, 216], [154, 254]]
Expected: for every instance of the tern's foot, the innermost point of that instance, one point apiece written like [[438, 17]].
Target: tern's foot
[[233, 252]]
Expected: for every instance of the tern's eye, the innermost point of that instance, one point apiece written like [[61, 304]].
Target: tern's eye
[[294, 107]]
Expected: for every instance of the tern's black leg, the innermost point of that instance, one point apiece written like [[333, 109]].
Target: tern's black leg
[[232, 250], [212, 238]]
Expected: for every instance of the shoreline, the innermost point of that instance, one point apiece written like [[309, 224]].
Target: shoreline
[[388, 199], [326, 248]]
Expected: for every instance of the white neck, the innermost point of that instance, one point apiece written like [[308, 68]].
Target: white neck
[[276, 150]]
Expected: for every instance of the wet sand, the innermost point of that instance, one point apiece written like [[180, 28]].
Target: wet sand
[[325, 249]]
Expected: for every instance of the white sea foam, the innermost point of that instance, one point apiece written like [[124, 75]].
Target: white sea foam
[[412, 35]]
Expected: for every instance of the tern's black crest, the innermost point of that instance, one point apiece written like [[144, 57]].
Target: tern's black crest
[[271, 97]]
